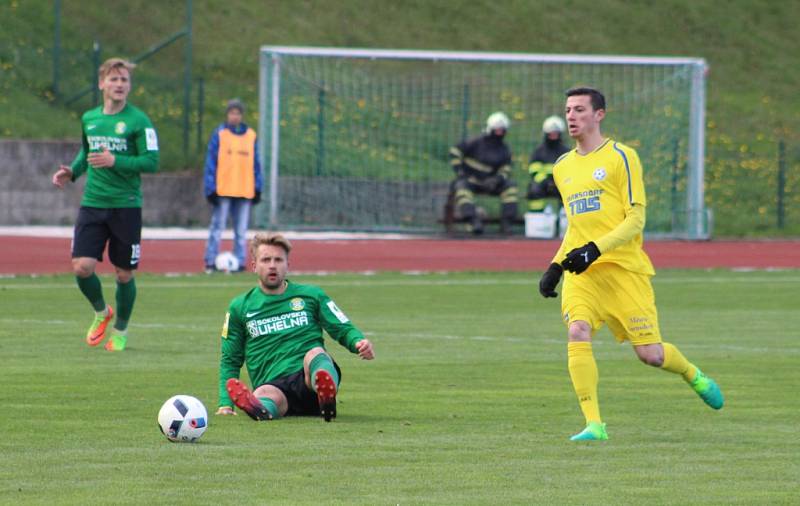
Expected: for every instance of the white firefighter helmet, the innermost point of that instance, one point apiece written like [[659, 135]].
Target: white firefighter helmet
[[497, 120], [554, 124]]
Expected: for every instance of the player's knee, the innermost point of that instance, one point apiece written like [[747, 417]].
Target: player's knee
[[313, 352], [579, 331], [82, 268], [124, 276], [652, 357]]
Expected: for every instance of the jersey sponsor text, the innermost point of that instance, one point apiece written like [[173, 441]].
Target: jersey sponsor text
[[278, 323]]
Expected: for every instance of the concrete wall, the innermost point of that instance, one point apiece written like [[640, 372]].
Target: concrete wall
[[27, 196]]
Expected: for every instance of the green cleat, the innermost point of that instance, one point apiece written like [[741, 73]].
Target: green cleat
[[117, 341], [707, 389], [594, 431]]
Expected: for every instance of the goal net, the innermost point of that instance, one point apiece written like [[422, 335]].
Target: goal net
[[358, 139]]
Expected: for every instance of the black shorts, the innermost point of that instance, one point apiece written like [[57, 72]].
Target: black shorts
[[302, 400], [120, 227]]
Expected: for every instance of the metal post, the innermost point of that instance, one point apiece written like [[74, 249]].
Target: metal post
[[695, 205], [201, 97], [95, 66], [274, 130], [56, 46], [781, 181], [261, 139], [673, 188], [465, 112], [321, 130], [187, 79]]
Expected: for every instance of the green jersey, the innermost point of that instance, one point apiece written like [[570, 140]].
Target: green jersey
[[130, 137], [272, 333]]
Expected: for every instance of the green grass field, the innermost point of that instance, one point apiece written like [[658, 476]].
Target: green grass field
[[468, 401]]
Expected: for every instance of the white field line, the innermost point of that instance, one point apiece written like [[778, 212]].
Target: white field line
[[532, 281], [444, 337]]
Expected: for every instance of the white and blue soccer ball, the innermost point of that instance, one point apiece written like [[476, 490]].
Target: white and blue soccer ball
[[183, 419], [226, 262]]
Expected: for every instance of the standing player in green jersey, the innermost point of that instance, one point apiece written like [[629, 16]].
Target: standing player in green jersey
[[275, 329], [118, 144]]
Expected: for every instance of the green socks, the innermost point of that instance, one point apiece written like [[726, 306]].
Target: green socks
[[126, 296], [93, 291], [270, 405], [322, 361]]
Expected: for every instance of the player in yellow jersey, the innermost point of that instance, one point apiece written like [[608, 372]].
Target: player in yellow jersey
[[608, 273]]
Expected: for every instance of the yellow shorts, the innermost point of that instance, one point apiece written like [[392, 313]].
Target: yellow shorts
[[607, 293]]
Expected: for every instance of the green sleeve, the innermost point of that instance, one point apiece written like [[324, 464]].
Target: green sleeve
[[146, 159], [232, 352], [79, 164], [337, 324]]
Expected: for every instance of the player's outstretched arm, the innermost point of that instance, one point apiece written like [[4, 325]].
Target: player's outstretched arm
[[62, 176], [365, 349]]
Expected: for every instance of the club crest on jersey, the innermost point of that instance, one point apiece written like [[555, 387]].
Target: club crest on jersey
[[297, 304], [120, 128], [599, 174]]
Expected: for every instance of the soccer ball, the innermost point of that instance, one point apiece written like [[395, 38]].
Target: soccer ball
[[226, 262], [183, 418]]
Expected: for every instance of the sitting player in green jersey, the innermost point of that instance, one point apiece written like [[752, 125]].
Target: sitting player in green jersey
[[119, 143], [275, 329]]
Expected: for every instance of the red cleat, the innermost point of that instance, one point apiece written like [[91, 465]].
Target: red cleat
[[246, 401], [326, 394]]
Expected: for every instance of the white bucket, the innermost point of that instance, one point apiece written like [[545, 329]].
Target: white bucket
[[540, 225]]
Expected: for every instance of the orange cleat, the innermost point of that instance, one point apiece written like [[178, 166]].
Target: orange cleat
[[97, 332]]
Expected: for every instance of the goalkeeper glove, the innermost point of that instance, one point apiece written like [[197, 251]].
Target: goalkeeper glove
[[550, 279], [256, 198], [213, 199], [579, 259]]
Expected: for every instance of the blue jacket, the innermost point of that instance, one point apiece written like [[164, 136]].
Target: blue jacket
[[210, 176]]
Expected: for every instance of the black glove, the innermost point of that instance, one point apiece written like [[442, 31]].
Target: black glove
[[579, 259], [256, 199], [213, 199], [550, 279]]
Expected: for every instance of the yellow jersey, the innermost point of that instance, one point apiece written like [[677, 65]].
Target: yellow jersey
[[598, 190]]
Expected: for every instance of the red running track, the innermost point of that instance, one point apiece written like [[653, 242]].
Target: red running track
[[25, 255]]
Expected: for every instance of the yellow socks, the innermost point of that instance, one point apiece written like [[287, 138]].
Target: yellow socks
[[583, 371], [675, 362]]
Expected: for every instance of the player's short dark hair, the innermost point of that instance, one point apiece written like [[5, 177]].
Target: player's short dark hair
[[270, 239], [597, 98]]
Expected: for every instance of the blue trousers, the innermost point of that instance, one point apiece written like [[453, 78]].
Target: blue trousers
[[239, 211]]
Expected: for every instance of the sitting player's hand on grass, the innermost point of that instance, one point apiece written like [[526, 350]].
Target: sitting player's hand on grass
[[226, 410], [365, 350]]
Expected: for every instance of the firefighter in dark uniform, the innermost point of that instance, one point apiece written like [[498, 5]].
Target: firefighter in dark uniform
[[483, 166], [542, 187]]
